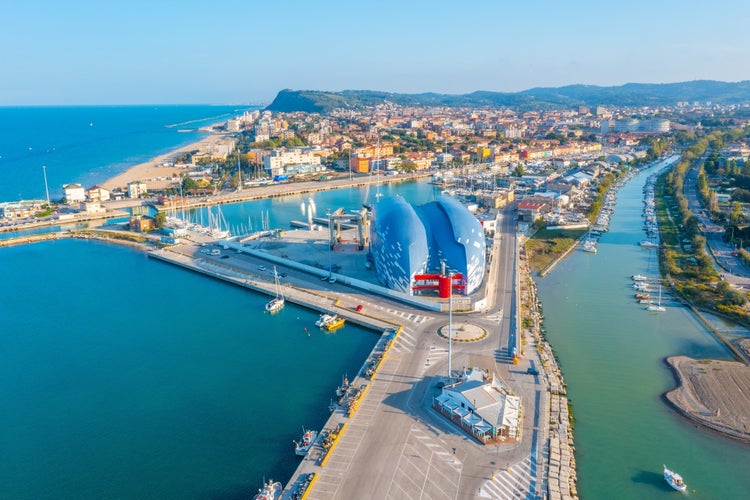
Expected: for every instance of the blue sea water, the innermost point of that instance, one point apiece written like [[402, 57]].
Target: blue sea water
[[124, 377], [90, 144]]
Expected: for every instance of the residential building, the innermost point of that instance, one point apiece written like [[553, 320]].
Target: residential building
[[137, 189], [74, 193]]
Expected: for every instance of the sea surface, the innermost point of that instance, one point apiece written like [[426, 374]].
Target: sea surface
[[90, 144], [125, 377], [611, 352]]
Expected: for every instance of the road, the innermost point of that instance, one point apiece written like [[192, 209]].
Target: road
[[397, 447], [727, 262]]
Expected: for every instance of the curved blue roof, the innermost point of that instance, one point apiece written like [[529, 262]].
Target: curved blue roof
[[398, 243], [406, 241]]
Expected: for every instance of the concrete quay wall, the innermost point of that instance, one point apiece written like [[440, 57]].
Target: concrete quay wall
[[561, 475], [305, 298]]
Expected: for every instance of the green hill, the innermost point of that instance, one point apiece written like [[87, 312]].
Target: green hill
[[630, 94]]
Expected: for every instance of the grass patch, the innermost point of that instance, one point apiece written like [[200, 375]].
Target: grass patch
[[548, 244]]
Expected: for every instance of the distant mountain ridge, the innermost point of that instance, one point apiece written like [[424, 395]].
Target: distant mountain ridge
[[630, 94]]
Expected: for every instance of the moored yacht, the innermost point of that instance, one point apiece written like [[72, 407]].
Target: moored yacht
[[308, 438], [270, 491], [674, 480], [324, 320]]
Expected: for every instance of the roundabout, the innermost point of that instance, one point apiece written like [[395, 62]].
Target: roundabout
[[464, 332]]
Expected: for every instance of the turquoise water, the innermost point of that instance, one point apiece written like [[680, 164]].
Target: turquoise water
[[243, 217], [89, 144], [123, 377], [611, 352]]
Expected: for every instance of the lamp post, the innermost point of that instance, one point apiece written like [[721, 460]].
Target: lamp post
[[46, 187], [450, 325]]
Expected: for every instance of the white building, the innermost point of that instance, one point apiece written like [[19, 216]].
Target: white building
[[98, 193], [484, 409], [92, 207], [74, 193], [275, 163], [137, 189]]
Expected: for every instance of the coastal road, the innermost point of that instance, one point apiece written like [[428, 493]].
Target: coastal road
[[728, 263]]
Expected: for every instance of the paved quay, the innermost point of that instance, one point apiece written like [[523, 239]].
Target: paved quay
[[384, 440]]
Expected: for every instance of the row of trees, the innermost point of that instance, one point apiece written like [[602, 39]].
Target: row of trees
[[687, 266]]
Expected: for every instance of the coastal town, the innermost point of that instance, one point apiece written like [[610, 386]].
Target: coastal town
[[527, 178], [558, 154]]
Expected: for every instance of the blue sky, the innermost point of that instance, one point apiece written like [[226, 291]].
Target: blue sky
[[244, 51]]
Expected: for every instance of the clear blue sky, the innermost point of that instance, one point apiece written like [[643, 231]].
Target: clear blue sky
[[244, 51]]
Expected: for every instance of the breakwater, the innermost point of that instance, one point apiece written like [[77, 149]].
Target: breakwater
[[561, 474]]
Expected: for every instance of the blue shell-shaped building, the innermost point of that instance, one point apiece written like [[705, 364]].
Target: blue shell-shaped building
[[398, 243], [406, 241]]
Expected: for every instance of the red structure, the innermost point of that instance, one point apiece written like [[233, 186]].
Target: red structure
[[439, 282]]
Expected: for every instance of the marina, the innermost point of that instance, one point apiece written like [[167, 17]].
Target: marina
[[629, 345]]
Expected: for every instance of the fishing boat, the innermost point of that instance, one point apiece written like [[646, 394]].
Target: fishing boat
[[657, 307], [642, 296], [270, 491], [308, 438], [276, 303], [341, 390], [334, 323], [674, 480], [324, 319]]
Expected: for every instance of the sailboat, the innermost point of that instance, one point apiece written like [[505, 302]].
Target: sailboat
[[657, 307], [277, 303]]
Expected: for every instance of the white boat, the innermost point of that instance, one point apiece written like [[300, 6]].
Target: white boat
[[276, 303], [589, 246], [270, 491], [648, 244], [657, 307], [639, 277], [308, 439], [674, 480], [324, 320]]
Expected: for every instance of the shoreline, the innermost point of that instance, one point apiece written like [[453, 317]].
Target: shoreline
[[154, 172], [712, 393]]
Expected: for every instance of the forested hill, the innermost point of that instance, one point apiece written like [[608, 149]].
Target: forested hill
[[630, 94]]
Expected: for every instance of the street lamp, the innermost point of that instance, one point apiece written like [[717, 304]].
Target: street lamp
[[46, 187], [450, 325]]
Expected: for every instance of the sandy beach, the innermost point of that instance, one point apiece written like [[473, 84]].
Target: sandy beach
[[154, 173], [713, 393]]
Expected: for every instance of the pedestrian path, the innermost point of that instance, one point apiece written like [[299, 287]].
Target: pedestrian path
[[513, 482], [415, 318], [405, 343]]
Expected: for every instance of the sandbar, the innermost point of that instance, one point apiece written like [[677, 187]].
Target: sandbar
[[712, 393]]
